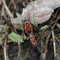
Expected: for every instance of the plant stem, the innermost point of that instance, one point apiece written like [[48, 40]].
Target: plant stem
[[19, 51], [5, 53]]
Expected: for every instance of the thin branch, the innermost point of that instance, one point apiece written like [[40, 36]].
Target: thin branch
[[7, 10], [0, 2]]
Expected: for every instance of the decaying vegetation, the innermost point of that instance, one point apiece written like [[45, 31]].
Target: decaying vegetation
[[48, 34]]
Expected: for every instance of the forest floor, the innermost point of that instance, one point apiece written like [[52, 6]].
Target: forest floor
[[29, 52]]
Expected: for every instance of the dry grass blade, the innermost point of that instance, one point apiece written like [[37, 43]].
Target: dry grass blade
[[54, 45]]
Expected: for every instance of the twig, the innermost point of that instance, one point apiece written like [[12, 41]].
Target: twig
[[47, 40], [3, 11], [12, 2], [0, 2], [7, 10]]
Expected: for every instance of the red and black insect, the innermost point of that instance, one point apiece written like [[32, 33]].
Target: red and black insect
[[28, 28]]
